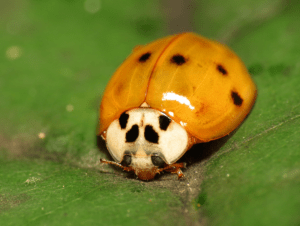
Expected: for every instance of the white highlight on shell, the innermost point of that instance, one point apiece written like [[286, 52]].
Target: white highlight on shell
[[178, 98], [183, 123], [171, 113]]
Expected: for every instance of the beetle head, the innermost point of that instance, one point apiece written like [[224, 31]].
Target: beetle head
[[147, 142]]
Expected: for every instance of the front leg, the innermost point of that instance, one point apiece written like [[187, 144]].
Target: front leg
[[175, 168]]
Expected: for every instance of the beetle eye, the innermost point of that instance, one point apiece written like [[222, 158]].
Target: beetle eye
[[157, 161], [126, 160]]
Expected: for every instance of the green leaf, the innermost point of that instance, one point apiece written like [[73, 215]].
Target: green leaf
[[44, 192]]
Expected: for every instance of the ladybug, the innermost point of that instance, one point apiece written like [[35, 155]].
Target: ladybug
[[169, 95]]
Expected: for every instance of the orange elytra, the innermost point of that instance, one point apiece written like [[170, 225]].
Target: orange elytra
[[168, 95]]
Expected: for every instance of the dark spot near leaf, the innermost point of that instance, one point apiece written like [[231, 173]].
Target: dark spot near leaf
[[144, 57], [237, 100]]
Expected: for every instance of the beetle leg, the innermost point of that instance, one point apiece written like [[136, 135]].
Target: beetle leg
[[125, 168], [175, 168], [179, 173]]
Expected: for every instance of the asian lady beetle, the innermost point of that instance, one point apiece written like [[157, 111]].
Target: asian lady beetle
[[168, 95]]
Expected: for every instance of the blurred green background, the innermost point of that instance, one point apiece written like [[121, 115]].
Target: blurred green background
[[56, 57]]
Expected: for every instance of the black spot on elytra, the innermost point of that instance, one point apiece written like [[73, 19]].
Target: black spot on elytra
[[178, 59], [123, 120], [132, 134], [221, 69], [151, 135], [144, 57], [164, 122], [237, 100]]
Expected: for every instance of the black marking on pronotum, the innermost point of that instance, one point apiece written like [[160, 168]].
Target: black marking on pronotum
[[237, 100], [178, 59], [164, 122], [222, 69], [151, 135], [145, 57], [132, 134], [123, 120]]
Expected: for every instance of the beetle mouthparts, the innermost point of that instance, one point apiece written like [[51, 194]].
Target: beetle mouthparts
[[149, 173]]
